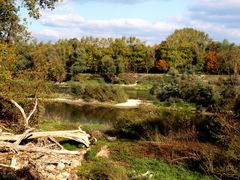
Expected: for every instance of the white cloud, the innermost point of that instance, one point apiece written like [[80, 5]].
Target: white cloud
[[147, 30], [219, 18], [114, 1]]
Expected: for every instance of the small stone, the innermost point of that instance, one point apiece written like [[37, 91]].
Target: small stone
[[51, 177], [65, 175], [60, 177], [60, 166], [66, 162], [50, 168], [72, 176], [104, 152], [111, 139], [75, 163]]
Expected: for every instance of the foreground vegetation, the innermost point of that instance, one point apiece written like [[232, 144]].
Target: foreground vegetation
[[128, 159], [176, 143]]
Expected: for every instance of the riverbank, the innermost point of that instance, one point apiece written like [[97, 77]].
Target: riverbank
[[130, 103]]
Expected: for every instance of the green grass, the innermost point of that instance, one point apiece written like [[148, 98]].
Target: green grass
[[127, 157], [161, 170], [92, 127], [71, 145], [57, 125]]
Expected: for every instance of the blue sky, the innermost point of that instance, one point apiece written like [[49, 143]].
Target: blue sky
[[150, 20]]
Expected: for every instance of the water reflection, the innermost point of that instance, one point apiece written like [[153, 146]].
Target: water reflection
[[83, 114]]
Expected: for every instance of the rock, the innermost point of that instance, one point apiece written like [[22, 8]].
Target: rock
[[73, 176], [50, 168], [51, 177], [68, 162], [60, 166], [65, 175], [111, 139], [104, 152], [75, 163]]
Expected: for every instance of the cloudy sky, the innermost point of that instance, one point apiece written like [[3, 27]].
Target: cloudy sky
[[150, 20]]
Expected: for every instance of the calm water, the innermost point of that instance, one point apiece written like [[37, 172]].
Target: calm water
[[91, 113], [83, 114]]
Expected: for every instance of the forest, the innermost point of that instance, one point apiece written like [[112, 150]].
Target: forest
[[186, 50], [185, 127]]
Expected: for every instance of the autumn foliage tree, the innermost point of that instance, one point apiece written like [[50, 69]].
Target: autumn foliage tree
[[211, 64], [162, 65]]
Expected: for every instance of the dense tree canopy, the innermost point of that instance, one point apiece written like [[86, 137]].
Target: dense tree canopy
[[185, 48]]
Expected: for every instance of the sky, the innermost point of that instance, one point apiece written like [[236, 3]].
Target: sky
[[150, 20]]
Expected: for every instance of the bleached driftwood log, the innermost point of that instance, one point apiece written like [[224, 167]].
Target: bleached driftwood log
[[76, 135], [14, 147]]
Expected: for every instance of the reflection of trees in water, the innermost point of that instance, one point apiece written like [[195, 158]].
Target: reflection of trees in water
[[84, 114]]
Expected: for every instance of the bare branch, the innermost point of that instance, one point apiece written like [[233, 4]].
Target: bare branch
[[25, 117], [33, 110], [20, 108]]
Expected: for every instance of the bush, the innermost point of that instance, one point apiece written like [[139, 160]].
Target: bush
[[223, 160], [128, 78], [189, 89], [151, 124], [100, 92]]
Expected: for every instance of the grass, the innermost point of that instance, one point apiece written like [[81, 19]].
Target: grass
[[71, 145], [57, 125], [177, 106], [161, 170], [129, 158]]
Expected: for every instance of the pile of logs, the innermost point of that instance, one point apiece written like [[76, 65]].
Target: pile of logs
[[39, 152], [18, 151]]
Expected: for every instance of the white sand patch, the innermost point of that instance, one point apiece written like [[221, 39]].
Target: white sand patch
[[130, 103]]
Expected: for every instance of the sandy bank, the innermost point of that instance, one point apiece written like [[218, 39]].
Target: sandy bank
[[131, 103]]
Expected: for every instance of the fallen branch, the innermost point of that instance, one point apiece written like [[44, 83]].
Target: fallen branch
[[37, 149], [23, 136], [76, 135]]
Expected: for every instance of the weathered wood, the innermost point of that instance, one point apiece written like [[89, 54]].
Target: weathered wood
[[37, 149], [23, 136], [76, 135], [25, 117]]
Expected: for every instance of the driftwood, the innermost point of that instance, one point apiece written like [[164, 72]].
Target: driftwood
[[11, 146], [20, 149], [25, 117], [76, 135]]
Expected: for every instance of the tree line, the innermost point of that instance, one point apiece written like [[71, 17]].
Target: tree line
[[186, 50]]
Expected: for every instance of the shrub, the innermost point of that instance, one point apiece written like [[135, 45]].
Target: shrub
[[100, 92], [128, 78], [189, 89], [151, 124], [223, 160]]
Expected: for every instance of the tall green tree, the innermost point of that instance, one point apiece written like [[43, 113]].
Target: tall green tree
[[77, 60], [47, 64], [11, 29], [186, 48]]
